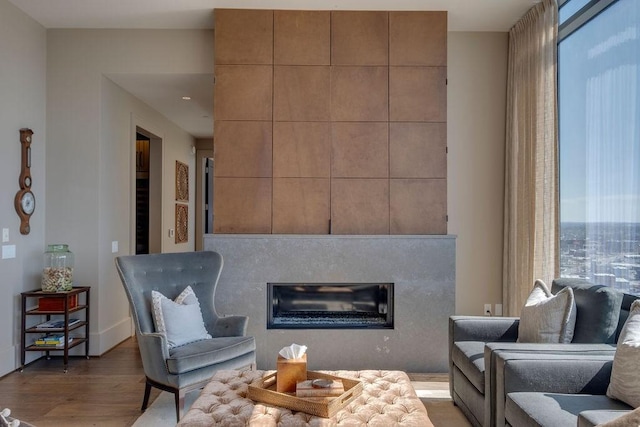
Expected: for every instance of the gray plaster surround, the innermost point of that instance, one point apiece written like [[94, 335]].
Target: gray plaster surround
[[422, 268]]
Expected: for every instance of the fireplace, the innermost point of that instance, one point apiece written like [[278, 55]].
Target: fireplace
[[329, 305]]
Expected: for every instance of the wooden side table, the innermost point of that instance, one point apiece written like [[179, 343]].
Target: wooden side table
[[62, 305]]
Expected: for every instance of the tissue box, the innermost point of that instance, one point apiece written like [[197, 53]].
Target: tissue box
[[289, 373]]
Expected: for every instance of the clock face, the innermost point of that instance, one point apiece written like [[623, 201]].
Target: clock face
[[28, 203]]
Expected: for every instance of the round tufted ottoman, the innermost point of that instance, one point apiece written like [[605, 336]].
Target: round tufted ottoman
[[387, 399]]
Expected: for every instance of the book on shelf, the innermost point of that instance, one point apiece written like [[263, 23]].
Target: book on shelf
[[50, 342], [56, 324]]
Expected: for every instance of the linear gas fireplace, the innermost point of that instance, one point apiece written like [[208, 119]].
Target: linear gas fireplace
[[329, 305]]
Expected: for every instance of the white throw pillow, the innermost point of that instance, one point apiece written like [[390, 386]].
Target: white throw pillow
[[548, 318], [625, 375], [179, 320]]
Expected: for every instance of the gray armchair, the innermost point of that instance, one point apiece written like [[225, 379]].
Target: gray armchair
[[190, 366]]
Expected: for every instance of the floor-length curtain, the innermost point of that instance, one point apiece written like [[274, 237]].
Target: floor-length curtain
[[531, 156]]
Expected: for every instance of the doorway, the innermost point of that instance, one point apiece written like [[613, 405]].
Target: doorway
[[148, 193]]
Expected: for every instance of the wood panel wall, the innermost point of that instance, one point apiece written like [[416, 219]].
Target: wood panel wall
[[330, 122]]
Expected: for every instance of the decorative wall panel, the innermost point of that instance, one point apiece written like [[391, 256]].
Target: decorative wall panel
[[330, 122]]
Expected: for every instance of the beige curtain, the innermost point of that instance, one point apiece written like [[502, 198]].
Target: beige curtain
[[531, 157]]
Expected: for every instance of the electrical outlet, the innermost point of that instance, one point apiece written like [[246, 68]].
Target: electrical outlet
[[487, 310], [114, 246], [171, 232], [498, 310]]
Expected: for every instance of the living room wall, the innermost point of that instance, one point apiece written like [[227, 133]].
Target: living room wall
[[23, 88], [92, 123]]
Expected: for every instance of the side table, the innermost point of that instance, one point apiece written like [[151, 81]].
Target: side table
[[64, 304]]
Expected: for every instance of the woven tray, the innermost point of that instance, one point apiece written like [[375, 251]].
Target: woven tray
[[264, 390]]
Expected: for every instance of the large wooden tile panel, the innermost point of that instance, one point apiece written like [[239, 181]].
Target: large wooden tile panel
[[242, 205], [302, 37], [301, 93], [418, 38], [302, 149], [243, 92], [359, 38], [360, 150], [417, 94], [417, 150], [301, 205], [243, 36], [418, 206], [359, 94], [330, 121], [359, 206], [243, 149]]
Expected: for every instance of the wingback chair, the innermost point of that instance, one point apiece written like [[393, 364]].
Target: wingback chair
[[187, 367]]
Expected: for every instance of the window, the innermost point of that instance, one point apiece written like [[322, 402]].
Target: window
[[599, 141]]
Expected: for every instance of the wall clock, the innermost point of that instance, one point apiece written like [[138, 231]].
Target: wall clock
[[25, 201]]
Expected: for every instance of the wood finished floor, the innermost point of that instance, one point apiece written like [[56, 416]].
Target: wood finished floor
[[107, 391]]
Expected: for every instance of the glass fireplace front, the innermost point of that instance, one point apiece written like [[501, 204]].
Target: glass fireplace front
[[329, 305]]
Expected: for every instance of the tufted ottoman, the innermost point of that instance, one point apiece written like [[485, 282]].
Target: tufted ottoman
[[387, 399]]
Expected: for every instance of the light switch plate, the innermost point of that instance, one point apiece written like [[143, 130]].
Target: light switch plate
[[5, 235], [114, 246], [8, 251]]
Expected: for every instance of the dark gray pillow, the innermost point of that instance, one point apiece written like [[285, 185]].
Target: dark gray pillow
[[598, 310]]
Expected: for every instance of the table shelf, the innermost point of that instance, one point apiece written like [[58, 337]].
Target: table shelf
[[75, 300]]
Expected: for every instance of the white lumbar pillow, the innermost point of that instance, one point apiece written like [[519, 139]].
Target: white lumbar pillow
[[548, 318], [179, 320], [625, 375]]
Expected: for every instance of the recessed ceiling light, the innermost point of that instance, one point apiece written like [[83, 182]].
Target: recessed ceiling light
[[186, 98]]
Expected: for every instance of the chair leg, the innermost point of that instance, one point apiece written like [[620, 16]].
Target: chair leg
[[179, 397], [147, 393]]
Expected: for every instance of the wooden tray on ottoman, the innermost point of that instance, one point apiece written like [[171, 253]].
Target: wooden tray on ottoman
[[264, 390]]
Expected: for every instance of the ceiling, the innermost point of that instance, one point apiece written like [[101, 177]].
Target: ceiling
[[195, 116]]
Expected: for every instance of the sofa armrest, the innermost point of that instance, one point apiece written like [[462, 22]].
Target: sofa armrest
[[548, 372], [483, 328], [479, 328]]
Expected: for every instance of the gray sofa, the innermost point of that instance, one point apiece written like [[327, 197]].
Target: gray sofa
[[475, 342]]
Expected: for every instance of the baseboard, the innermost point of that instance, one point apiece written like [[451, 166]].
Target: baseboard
[[105, 340]]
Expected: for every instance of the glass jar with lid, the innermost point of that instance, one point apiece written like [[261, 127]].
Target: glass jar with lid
[[57, 274]]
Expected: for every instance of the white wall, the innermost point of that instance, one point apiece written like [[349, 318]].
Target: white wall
[[477, 73], [91, 122], [22, 105]]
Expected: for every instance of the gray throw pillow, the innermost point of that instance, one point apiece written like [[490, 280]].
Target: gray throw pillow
[[547, 318], [598, 312], [625, 374], [179, 320]]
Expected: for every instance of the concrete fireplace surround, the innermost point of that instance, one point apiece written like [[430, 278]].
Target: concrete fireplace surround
[[421, 266]]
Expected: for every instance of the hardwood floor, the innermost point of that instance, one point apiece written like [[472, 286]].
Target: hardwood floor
[[102, 391], [107, 391]]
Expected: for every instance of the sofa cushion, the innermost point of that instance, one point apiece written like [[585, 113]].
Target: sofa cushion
[[547, 318], [207, 352], [609, 418], [468, 356], [598, 310], [625, 375], [553, 409]]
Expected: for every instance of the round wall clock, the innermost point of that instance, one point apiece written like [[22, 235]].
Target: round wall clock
[[25, 201]]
